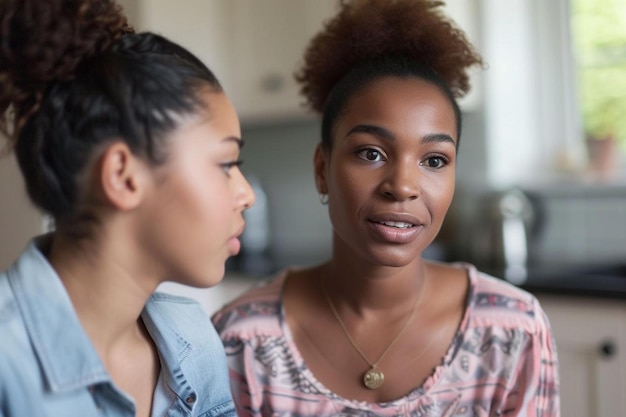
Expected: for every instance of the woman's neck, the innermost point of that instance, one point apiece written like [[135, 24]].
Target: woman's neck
[[105, 287], [367, 287]]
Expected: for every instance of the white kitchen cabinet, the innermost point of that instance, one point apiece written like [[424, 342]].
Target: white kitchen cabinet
[[201, 26], [591, 344], [255, 46], [268, 41]]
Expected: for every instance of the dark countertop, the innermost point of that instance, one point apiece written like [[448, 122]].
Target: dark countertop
[[607, 282], [597, 282]]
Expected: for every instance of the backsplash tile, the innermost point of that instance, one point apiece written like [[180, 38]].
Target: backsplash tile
[[582, 227]]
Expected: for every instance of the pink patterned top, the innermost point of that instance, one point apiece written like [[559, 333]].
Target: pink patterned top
[[502, 361]]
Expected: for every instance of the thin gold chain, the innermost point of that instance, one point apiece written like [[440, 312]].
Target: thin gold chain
[[351, 340]]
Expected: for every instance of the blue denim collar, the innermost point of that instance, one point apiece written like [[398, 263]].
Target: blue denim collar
[[173, 349], [67, 356]]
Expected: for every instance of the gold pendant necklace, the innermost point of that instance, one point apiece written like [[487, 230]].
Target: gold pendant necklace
[[374, 377]]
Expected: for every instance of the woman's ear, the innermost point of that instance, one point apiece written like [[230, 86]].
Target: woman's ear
[[320, 162], [123, 176]]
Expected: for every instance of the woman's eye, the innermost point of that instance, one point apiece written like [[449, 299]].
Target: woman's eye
[[371, 155], [435, 162], [230, 165]]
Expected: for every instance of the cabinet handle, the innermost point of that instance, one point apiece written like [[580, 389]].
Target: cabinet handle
[[608, 349]]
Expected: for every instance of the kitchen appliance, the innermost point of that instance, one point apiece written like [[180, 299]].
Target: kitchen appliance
[[505, 233], [566, 238]]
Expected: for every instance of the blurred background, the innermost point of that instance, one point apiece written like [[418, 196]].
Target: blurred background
[[541, 176], [544, 129], [547, 117]]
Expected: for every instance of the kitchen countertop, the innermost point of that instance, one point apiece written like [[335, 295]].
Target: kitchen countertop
[[607, 282], [555, 282], [604, 283], [597, 282], [212, 299], [598, 287]]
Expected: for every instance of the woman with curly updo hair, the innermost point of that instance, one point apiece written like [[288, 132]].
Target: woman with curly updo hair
[[378, 330], [128, 142]]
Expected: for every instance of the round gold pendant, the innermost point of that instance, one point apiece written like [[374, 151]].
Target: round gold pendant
[[373, 378]]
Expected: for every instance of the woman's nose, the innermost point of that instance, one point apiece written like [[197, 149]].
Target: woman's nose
[[401, 181], [246, 195]]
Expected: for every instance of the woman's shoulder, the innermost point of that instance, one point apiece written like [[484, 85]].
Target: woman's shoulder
[[492, 290], [171, 317], [173, 309], [254, 313], [496, 302]]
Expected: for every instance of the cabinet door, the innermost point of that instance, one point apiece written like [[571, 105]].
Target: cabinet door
[[201, 26], [590, 343], [268, 40], [255, 46]]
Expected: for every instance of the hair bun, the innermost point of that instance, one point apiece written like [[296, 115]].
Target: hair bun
[[45, 40], [369, 29]]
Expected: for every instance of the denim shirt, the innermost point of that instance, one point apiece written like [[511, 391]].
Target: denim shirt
[[50, 368]]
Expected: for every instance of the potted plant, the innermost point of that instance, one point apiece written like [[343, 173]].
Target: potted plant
[[600, 40]]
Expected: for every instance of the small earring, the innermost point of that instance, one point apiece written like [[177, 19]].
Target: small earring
[[323, 198]]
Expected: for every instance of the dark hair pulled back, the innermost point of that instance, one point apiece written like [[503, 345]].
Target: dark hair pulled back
[[74, 77], [371, 39]]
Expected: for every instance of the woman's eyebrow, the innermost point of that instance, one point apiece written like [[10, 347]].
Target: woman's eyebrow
[[438, 137], [373, 130], [387, 134], [235, 139]]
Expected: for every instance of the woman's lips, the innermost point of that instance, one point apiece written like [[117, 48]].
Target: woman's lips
[[234, 244], [394, 231]]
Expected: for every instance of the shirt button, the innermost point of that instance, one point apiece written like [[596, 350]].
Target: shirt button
[[191, 399]]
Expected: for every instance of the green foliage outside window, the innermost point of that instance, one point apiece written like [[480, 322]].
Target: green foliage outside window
[[599, 32]]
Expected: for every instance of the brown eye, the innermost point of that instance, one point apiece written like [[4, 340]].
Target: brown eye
[[435, 162], [371, 155]]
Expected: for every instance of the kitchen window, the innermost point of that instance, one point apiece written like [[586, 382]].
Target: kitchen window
[[599, 49], [548, 62]]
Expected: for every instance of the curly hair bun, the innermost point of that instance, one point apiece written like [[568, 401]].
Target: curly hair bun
[[45, 40], [366, 29]]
